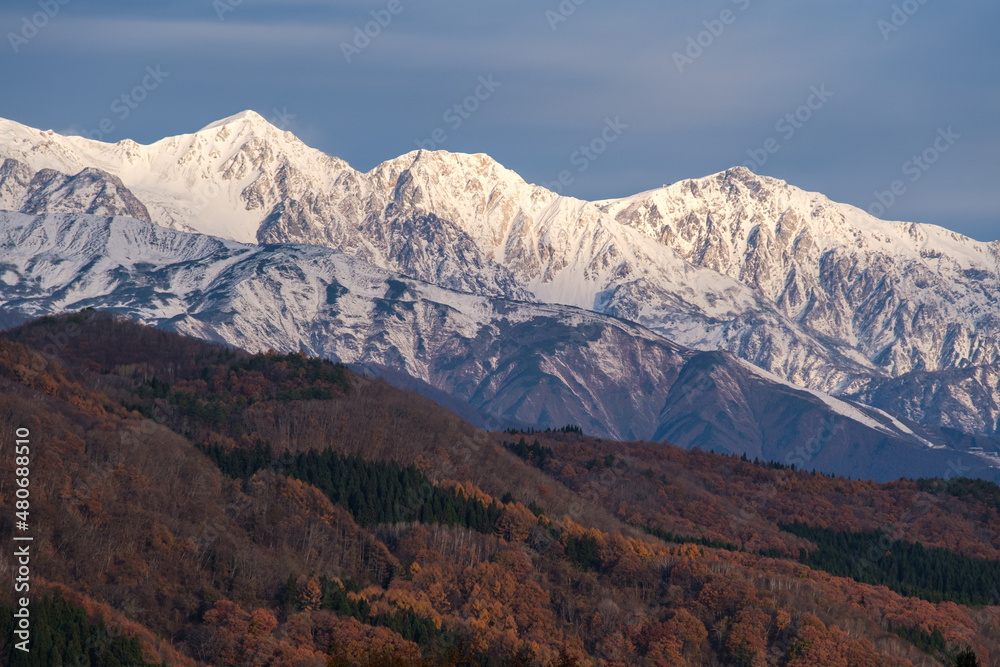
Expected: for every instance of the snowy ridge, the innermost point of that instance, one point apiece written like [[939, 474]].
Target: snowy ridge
[[888, 424], [204, 177], [882, 287], [817, 293]]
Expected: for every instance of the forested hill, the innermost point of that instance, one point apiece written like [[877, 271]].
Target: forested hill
[[196, 504]]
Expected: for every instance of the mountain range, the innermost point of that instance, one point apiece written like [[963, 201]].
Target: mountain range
[[733, 312]]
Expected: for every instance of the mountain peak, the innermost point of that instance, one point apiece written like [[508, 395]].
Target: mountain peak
[[248, 116], [439, 157], [443, 164], [739, 171]]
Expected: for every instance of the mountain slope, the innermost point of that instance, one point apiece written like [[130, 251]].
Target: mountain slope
[[527, 363], [817, 293]]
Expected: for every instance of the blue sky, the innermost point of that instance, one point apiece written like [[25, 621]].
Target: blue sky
[[893, 77]]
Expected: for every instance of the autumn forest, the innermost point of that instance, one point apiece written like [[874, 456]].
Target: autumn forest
[[195, 504]]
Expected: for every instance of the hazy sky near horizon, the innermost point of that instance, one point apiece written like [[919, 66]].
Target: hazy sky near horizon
[[850, 98]]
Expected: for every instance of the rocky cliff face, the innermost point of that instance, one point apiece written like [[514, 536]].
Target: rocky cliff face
[[909, 297]]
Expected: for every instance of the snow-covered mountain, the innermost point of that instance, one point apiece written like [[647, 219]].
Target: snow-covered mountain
[[910, 297], [518, 362], [817, 293], [460, 221], [919, 301]]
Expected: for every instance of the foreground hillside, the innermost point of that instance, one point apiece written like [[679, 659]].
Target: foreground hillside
[[195, 504]]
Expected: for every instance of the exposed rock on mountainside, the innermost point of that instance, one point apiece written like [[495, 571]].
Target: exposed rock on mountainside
[[817, 293], [526, 363]]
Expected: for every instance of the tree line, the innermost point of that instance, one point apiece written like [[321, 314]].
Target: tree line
[[668, 536], [535, 453], [61, 634], [909, 568], [374, 492], [964, 488]]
